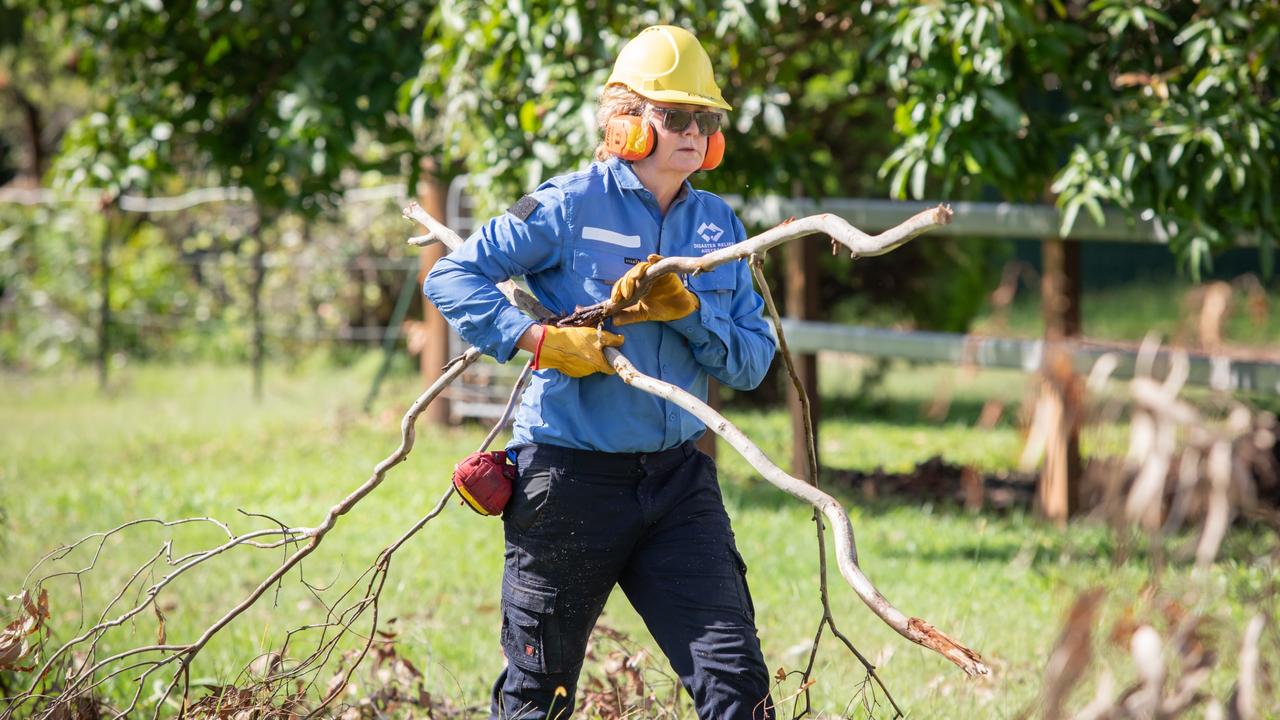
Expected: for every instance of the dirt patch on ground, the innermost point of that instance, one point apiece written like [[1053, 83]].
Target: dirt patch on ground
[[938, 481]]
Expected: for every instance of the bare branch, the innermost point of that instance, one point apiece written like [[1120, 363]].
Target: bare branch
[[914, 629], [840, 231], [437, 231], [811, 452], [859, 244]]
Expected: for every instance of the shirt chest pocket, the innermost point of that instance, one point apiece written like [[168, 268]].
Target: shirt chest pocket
[[600, 269], [716, 287]]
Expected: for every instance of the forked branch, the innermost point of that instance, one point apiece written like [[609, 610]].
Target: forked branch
[[859, 244], [841, 233]]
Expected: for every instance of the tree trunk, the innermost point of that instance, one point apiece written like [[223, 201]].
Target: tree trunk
[[33, 171], [259, 279], [435, 351], [707, 443], [802, 304], [1060, 389], [104, 295]]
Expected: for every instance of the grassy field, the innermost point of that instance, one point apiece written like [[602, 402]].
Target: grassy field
[[176, 442]]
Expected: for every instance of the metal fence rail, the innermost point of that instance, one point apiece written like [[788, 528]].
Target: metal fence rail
[[1215, 371]]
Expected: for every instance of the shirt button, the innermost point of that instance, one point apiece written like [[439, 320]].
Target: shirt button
[[672, 416]]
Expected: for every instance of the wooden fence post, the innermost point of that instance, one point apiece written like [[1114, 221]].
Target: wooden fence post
[[802, 304], [104, 293], [258, 350], [1060, 292], [435, 351], [707, 443]]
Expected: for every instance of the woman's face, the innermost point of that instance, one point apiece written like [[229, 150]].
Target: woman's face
[[676, 152]]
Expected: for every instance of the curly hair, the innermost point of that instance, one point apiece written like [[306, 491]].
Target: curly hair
[[615, 100]]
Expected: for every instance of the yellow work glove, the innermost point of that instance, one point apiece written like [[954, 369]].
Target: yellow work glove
[[575, 351], [668, 298]]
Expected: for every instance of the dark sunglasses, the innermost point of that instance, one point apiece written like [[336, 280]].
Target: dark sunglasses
[[677, 121]]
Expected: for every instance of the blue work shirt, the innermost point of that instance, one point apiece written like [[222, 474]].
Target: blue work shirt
[[585, 230]]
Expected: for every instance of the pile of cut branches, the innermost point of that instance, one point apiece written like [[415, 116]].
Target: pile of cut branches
[[1193, 468]]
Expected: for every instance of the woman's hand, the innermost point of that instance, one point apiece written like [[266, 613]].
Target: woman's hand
[[575, 351], [667, 299]]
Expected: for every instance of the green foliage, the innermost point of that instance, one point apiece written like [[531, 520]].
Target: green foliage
[[180, 287], [509, 91], [280, 97], [40, 93], [45, 281], [1166, 109], [292, 100], [933, 283]]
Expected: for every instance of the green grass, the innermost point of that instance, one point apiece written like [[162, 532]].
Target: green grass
[[174, 442]]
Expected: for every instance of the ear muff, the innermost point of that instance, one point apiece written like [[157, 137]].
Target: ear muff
[[629, 137], [715, 151]]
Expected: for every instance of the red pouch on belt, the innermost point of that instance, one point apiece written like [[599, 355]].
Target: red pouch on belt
[[483, 479]]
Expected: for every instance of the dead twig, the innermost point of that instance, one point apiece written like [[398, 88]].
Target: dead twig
[[811, 453]]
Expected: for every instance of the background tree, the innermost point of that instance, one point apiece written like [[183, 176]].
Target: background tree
[[1164, 109], [40, 89], [287, 99], [509, 91]]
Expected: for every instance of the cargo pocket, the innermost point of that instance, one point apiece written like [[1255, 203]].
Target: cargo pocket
[[743, 588], [529, 636]]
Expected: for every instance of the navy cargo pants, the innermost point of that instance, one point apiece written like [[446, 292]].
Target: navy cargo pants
[[580, 522]]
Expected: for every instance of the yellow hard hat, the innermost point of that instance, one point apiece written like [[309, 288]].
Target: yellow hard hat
[[667, 63]]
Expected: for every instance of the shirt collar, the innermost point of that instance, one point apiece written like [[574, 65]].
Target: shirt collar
[[626, 177]]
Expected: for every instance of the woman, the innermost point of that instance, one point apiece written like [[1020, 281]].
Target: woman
[[610, 489]]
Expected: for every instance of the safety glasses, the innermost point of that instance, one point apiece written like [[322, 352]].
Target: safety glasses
[[677, 121]]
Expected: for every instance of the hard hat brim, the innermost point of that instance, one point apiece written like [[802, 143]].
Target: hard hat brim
[[678, 96]]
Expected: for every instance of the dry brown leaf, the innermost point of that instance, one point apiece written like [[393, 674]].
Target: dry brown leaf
[[161, 635], [15, 642]]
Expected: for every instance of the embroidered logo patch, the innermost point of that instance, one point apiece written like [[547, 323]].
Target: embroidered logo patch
[[710, 232]]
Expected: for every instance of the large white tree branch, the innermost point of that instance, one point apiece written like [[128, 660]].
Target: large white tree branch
[[914, 629], [841, 233], [859, 244]]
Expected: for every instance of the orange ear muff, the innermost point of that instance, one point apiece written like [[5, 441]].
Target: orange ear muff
[[628, 137], [715, 151]]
